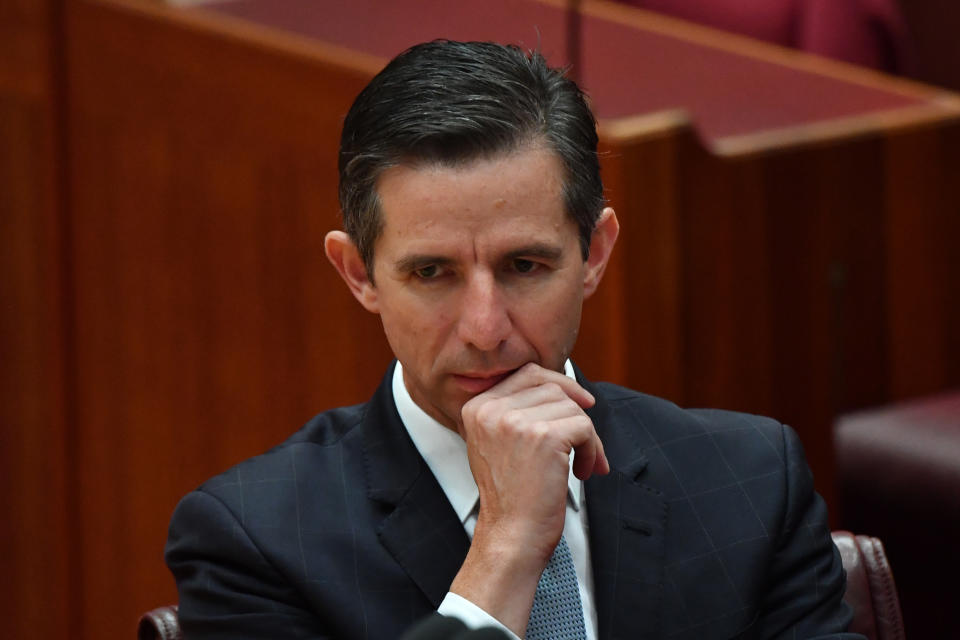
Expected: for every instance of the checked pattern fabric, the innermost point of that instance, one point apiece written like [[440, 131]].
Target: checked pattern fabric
[[557, 613]]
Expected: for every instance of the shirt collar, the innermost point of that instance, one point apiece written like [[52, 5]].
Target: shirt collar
[[445, 452]]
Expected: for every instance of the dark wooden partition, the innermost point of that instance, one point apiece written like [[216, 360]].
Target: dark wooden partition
[[168, 175], [35, 441]]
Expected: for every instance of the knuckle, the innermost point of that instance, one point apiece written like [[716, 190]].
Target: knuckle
[[581, 427], [553, 389], [513, 420], [529, 367], [541, 430], [584, 421], [469, 408], [485, 412], [472, 412]]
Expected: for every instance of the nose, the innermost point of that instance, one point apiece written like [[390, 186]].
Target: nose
[[484, 317]]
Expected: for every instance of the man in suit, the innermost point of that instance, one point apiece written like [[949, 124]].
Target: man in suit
[[487, 479]]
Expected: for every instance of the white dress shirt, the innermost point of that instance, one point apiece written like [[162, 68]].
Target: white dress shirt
[[445, 453]]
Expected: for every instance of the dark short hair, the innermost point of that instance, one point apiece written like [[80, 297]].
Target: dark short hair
[[451, 102]]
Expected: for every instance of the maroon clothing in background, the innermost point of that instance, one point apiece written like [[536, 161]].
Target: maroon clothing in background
[[871, 33]]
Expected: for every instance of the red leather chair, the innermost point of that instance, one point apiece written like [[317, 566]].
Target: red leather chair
[[160, 624], [898, 476], [870, 592]]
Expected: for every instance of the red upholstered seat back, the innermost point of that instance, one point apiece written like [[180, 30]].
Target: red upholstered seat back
[[161, 623], [871, 592], [866, 32]]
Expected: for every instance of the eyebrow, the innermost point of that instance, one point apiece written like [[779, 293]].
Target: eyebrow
[[544, 251], [418, 261], [541, 250]]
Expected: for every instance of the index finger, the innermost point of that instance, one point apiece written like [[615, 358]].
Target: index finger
[[532, 374], [590, 458]]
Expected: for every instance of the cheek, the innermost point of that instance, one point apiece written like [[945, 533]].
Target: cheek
[[413, 333], [552, 324]]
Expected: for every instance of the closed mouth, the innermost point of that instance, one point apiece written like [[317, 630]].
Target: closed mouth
[[478, 382]]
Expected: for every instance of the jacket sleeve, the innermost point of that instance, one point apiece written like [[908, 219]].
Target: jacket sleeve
[[806, 580], [227, 589]]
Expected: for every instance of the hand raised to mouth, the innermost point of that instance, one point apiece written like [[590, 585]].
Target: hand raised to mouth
[[519, 436]]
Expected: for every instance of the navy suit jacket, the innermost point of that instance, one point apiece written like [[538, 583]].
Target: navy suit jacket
[[706, 527]]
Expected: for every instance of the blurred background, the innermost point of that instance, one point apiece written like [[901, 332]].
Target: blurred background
[[786, 173]]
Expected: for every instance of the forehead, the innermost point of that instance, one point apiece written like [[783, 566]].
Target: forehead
[[482, 199]]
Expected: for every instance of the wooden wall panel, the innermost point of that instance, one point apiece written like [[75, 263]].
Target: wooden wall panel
[[923, 269], [806, 336], [631, 329], [208, 320], [725, 285], [35, 437]]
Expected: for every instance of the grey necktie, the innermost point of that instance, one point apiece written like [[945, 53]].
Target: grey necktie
[[557, 613]]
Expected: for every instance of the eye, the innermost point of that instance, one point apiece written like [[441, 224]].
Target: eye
[[428, 272], [521, 265]]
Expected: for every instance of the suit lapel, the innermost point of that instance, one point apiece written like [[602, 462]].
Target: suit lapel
[[421, 531], [627, 533]]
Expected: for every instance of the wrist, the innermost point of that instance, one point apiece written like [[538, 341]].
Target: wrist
[[500, 575], [520, 544]]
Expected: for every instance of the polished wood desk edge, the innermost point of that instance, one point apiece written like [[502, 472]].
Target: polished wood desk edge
[[638, 129], [753, 48], [199, 18], [645, 126], [839, 130]]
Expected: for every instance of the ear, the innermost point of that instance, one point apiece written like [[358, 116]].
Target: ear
[[345, 257], [601, 246]]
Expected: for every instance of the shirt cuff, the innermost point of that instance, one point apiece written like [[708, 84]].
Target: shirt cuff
[[470, 614]]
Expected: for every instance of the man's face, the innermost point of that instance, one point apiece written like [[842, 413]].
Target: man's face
[[478, 271]]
